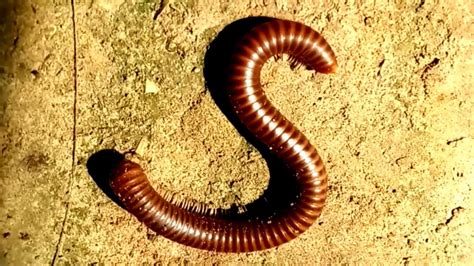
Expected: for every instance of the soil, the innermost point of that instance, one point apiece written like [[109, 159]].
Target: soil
[[394, 126]]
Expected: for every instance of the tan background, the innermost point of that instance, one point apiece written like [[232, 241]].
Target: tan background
[[394, 126]]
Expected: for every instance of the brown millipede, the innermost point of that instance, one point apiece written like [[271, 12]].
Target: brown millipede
[[196, 225]]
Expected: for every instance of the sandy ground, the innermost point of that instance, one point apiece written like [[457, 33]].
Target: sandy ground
[[394, 126]]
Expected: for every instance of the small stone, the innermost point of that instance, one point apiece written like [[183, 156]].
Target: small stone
[[150, 87], [34, 74], [142, 147], [122, 35]]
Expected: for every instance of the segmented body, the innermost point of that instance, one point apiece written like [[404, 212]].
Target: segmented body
[[195, 227]]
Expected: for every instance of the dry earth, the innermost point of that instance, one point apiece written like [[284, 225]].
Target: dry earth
[[394, 126]]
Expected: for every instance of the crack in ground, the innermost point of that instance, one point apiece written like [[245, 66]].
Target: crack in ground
[[454, 213], [74, 126]]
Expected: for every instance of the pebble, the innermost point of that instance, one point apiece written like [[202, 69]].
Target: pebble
[[150, 86]]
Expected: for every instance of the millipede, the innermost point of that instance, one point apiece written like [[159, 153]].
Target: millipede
[[197, 225]]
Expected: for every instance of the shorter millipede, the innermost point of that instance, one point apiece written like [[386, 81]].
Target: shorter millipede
[[197, 225]]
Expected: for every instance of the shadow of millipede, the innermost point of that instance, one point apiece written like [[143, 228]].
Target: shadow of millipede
[[282, 189]]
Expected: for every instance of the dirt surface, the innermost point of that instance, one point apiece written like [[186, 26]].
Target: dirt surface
[[394, 126]]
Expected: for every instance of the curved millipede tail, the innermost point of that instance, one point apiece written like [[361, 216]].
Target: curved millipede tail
[[198, 226]]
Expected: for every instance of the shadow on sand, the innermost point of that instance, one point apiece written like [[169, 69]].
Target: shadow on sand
[[282, 189]]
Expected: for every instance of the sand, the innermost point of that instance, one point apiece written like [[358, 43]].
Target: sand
[[394, 126]]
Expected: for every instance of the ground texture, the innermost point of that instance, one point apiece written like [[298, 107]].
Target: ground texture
[[394, 125]]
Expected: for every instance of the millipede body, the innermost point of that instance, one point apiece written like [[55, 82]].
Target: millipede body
[[198, 227]]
